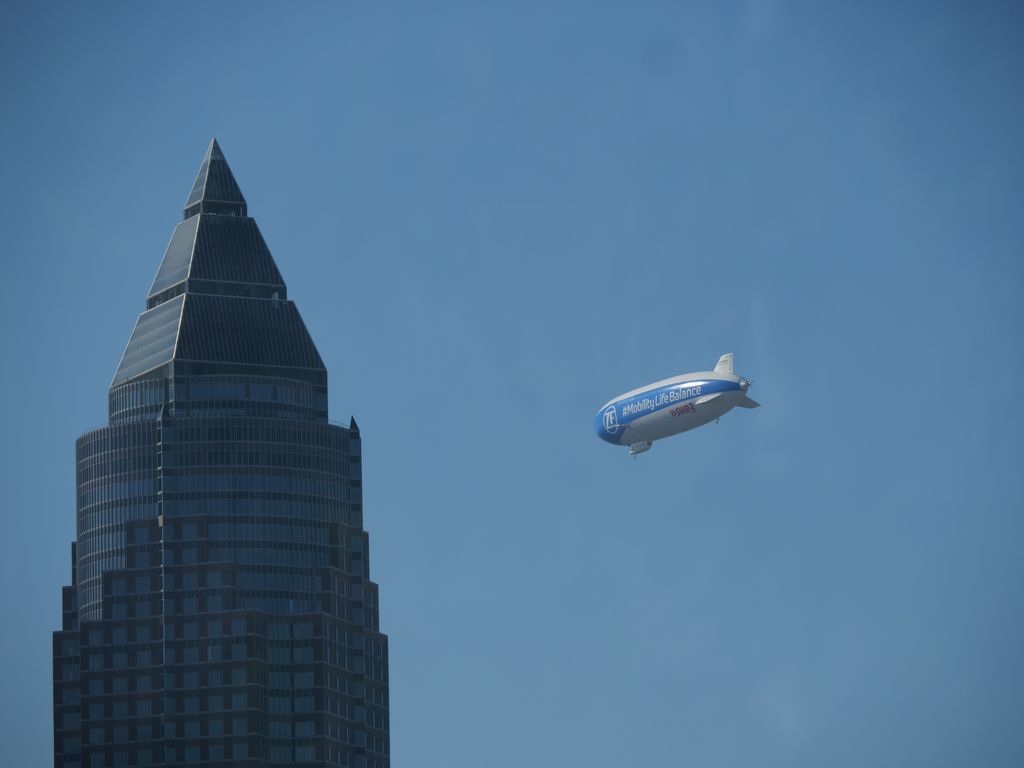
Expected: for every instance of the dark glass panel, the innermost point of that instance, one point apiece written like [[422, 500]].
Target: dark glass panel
[[152, 341], [177, 258], [231, 249], [245, 331]]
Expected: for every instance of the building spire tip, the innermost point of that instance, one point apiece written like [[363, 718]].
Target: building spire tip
[[215, 189]]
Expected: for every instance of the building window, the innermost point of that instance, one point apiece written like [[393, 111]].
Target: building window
[[280, 754]]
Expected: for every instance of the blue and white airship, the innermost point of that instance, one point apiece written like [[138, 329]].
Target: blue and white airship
[[668, 407]]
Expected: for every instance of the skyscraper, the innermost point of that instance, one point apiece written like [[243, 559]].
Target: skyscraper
[[220, 609]]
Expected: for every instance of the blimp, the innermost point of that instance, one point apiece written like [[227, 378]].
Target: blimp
[[670, 406]]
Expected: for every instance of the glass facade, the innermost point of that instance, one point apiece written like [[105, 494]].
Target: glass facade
[[221, 610]]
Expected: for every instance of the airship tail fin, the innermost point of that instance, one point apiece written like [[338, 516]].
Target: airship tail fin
[[724, 363], [748, 402]]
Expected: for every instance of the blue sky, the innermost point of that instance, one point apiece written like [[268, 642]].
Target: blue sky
[[495, 217]]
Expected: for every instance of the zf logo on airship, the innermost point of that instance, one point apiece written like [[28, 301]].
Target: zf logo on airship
[[611, 424]]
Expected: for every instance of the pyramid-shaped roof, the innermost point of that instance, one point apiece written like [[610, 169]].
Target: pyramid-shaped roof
[[217, 248], [218, 298], [215, 189]]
